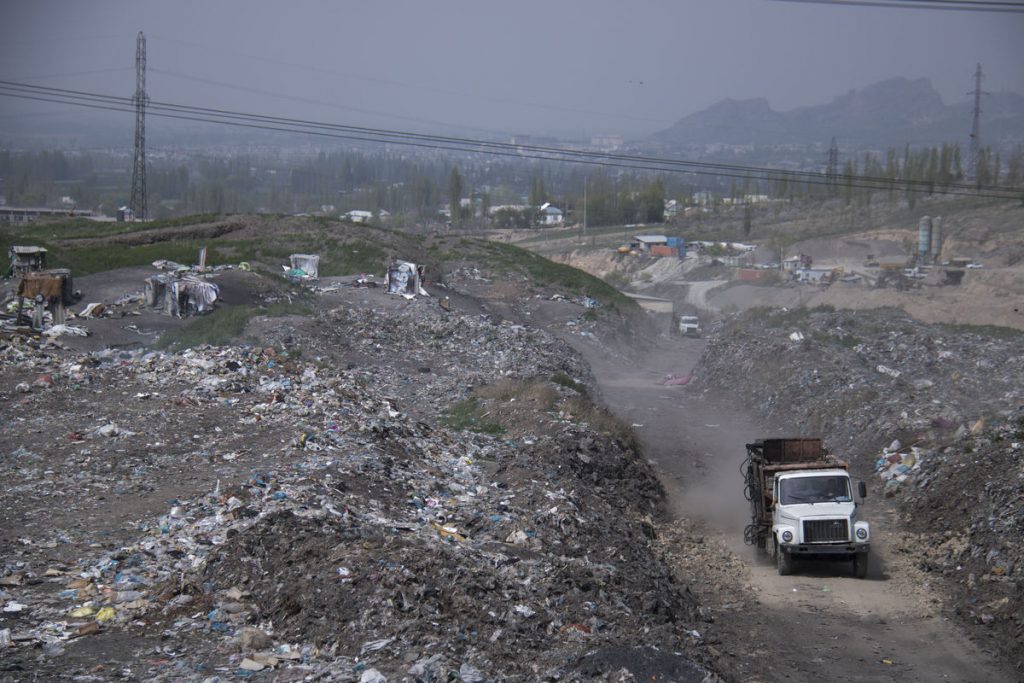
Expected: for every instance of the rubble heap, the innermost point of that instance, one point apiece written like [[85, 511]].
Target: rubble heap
[[334, 528], [937, 412]]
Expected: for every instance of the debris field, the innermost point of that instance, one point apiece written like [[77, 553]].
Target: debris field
[[336, 498]]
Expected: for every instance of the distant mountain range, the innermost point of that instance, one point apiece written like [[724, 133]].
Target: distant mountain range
[[891, 113]]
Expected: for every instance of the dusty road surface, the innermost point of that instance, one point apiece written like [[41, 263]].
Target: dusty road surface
[[819, 624]]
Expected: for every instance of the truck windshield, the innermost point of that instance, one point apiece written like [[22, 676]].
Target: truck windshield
[[830, 489]]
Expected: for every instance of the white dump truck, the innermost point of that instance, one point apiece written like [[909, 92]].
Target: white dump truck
[[689, 325], [802, 505]]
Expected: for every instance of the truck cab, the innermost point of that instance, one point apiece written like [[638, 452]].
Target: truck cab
[[802, 504], [814, 515], [689, 325]]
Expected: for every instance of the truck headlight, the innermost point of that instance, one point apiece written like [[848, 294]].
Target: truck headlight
[[787, 536], [862, 533]]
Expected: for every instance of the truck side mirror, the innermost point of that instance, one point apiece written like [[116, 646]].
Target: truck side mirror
[[862, 489]]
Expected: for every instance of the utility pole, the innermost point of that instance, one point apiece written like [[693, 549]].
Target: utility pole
[[138, 201], [832, 170], [972, 163]]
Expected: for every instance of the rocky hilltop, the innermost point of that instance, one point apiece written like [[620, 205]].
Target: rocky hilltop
[[890, 113]]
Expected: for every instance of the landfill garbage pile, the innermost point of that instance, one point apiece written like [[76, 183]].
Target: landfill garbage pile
[[935, 412], [325, 524]]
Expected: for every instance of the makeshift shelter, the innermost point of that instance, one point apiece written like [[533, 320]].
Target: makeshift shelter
[[181, 297], [52, 289], [405, 279], [304, 268], [26, 259]]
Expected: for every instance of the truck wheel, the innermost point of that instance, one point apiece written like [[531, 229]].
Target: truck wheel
[[860, 565], [784, 562]]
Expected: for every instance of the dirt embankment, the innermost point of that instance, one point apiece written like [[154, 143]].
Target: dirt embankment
[[156, 235]]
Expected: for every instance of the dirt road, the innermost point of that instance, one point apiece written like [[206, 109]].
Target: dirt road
[[697, 293], [819, 624]]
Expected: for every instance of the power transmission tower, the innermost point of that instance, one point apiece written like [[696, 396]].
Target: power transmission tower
[[972, 162], [138, 201], [832, 170]]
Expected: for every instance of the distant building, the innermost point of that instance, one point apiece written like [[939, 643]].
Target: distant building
[[27, 214], [358, 216], [672, 208], [747, 199], [813, 275], [551, 215], [703, 198], [791, 263], [646, 242]]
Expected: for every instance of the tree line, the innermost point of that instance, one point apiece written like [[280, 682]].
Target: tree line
[[414, 187]]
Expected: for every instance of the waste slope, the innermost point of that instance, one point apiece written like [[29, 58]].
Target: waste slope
[[325, 521]]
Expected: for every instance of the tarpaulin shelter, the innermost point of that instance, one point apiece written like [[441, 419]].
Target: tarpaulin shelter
[[304, 267], [405, 279], [180, 297], [51, 289]]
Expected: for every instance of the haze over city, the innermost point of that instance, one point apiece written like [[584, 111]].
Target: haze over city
[[568, 68]]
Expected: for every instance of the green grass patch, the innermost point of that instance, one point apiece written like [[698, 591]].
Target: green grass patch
[[564, 380], [469, 415], [604, 421], [83, 228], [266, 251], [846, 341], [510, 259], [353, 257], [336, 257], [617, 279], [95, 259], [221, 326], [843, 341], [992, 331]]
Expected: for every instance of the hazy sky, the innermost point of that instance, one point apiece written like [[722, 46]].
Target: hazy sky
[[529, 66]]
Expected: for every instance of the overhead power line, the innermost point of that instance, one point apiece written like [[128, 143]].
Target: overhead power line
[[408, 85], [949, 5], [319, 103], [70, 74], [476, 146]]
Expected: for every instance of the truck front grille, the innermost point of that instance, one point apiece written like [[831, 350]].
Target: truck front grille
[[826, 530]]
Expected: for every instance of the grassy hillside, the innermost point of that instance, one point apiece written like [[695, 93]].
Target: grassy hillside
[[266, 242]]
